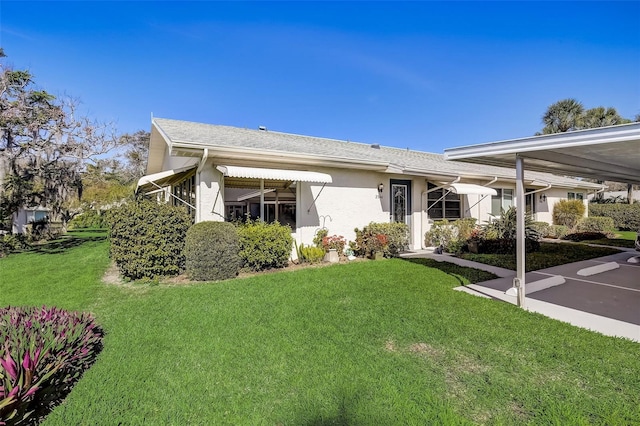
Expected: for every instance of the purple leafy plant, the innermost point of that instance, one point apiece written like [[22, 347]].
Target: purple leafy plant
[[43, 353]]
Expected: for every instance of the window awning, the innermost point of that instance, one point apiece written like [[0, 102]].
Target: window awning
[[272, 177], [168, 177], [469, 189]]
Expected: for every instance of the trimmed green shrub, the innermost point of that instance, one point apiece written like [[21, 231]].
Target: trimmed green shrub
[[43, 353], [626, 217], [397, 236], [211, 251], [558, 231], [440, 234], [542, 228], [12, 242], [390, 238], [596, 224], [147, 239], [89, 218], [452, 236], [584, 236], [264, 245], [568, 212]]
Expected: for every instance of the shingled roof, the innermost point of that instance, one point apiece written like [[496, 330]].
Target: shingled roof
[[217, 137]]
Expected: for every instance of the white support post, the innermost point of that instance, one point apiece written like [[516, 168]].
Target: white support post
[[519, 281], [262, 200]]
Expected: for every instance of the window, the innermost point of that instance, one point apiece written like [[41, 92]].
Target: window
[[502, 201], [530, 201], [575, 196], [441, 206], [286, 211], [183, 192], [36, 215]]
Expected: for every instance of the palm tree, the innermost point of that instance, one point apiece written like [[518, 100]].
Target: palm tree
[[563, 116], [602, 117]]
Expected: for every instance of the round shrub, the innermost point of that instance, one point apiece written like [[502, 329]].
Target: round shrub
[[542, 228], [211, 251], [147, 239], [596, 224], [264, 245], [568, 212], [557, 231]]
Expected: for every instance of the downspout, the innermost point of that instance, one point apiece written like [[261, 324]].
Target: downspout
[[533, 201], [426, 212], [203, 161], [594, 196]]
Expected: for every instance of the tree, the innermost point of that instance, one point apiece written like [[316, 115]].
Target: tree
[[569, 114], [44, 146], [602, 117], [136, 154], [563, 116]]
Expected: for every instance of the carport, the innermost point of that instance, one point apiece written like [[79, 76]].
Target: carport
[[606, 153]]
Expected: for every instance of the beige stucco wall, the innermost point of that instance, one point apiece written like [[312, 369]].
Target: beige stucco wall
[[210, 194], [352, 201]]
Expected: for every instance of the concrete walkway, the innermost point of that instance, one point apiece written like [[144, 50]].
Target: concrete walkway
[[625, 305]]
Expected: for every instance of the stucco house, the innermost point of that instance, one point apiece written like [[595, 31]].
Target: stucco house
[[223, 173]]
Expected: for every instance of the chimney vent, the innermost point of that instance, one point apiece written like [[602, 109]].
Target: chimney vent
[[375, 146], [263, 128]]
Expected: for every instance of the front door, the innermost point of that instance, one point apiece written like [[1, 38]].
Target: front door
[[401, 201]]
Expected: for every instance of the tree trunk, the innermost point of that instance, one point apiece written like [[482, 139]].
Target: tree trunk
[[630, 193]]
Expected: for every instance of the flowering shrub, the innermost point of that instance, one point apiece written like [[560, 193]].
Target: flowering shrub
[[43, 354], [336, 242], [476, 234], [368, 242]]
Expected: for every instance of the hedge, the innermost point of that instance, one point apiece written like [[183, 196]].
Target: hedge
[[264, 245], [391, 237], [147, 239], [596, 224], [626, 217]]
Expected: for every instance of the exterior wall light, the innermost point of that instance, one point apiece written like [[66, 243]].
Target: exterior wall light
[[380, 187], [543, 198]]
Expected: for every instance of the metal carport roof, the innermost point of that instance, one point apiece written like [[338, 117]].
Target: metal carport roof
[[606, 153]]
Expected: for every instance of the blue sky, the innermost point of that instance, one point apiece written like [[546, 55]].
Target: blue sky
[[419, 75]]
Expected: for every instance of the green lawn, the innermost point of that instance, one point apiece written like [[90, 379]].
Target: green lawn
[[386, 342], [550, 254], [621, 239]]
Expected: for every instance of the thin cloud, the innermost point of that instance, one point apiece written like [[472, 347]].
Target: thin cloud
[[10, 31]]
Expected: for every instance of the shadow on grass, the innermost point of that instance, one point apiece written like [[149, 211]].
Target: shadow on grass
[[65, 243], [463, 274], [59, 387]]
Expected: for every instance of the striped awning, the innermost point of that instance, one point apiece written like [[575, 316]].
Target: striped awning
[[162, 179], [274, 174]]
